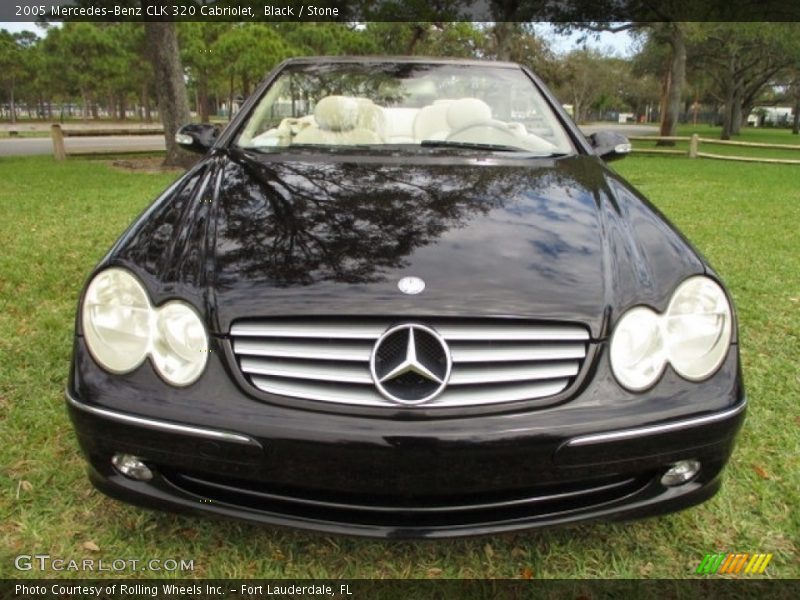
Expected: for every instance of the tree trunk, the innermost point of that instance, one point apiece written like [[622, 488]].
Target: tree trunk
[[736, 117], [146, 103], [727, 115], [12, 106], [416, 36], [503, 32], [202, 99], [730, 100], [662, 104], [677, 77], [747, 108], [173, 106], [230, 100], [796, 120]]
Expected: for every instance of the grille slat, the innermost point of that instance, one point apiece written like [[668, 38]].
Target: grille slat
[[494, 360], [450, 331], [474, 374], [369, 396], [467, 352], [324, 371], [304, 329], [306, 349]]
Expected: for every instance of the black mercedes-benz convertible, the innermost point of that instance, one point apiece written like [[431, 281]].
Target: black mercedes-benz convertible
[[405, 298]]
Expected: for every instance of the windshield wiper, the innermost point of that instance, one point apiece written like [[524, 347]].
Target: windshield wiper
[[469, 146], [482, 146]]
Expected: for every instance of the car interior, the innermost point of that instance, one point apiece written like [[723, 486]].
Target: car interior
[[348, 120]]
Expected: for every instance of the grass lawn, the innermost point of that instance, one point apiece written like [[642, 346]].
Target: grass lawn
[[57, 220]]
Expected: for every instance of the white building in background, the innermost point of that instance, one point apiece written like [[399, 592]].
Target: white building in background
[[770, 115]]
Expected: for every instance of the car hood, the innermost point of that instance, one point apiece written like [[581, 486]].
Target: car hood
[[560, 239]]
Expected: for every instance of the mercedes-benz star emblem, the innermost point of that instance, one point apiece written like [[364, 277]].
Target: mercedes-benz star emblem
[[411, 285], [410, 364]]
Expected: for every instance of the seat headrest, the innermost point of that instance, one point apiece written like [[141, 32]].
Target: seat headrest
[[337, 113], [467, 112]]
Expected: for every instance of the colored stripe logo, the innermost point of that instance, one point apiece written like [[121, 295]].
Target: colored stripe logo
[[733, 563]]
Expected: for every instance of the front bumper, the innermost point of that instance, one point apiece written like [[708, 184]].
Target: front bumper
[[400, 477]]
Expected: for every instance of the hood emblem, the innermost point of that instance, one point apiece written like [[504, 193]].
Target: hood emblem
[[410, 364], [411, 285]]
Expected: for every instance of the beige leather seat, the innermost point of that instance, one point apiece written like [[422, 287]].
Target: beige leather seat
[[399, 125], [431, 121], [342, 120], [282, 135], [467, 112]]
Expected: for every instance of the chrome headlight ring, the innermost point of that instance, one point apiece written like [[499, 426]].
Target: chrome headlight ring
[[122, 328], [692, 335]]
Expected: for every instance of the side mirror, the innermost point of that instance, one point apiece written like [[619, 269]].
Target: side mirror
[[197, 137], [610, 145]]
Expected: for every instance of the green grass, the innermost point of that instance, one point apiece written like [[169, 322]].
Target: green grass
[[57, 220], [761, 135]]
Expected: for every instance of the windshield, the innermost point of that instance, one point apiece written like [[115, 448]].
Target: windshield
[[408, 105]]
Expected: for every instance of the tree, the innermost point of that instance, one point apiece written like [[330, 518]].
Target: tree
[[665, 31], [10, 68], [518, 42], [250, 51], [203, 59], [586, 78], [82, 59], [794, 93], [34, 89], [674, 35], [162, 42], [327, 38], [744, 59], [131, 76]]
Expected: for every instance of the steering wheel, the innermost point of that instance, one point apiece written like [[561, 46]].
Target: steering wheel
[[491, 124], [505, 136]]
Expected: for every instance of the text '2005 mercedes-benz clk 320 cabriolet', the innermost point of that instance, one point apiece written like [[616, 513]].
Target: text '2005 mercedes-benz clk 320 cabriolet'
[[405, 298]]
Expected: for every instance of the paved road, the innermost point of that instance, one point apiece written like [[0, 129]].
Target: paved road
[[132, 143], [128, 143], [624, 128]]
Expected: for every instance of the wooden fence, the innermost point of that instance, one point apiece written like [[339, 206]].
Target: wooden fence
[[58, 134], [694, 148], [59, 151]]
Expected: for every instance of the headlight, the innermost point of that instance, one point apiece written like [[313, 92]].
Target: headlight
[[637, 349], [180, 346], [698, 328], [122, 328], [693, 336], [116, 320]]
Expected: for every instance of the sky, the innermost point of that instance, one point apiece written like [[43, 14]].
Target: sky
[[620, 44]]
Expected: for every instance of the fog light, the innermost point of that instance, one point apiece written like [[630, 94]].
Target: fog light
[[132, 467], [681, 472]]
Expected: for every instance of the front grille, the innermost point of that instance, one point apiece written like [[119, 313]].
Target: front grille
[[380, 509], [494, 360]]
